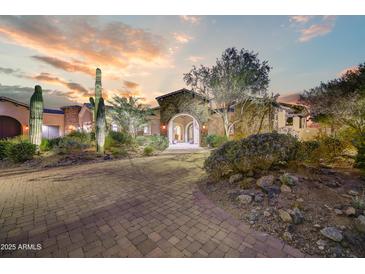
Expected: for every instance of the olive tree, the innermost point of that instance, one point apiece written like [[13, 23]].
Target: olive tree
[[236, 80]]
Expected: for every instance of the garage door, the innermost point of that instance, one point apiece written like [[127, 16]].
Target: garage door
[[50, 132], [9, 127]]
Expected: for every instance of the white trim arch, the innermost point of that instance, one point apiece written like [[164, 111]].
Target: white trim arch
[[196, 129]]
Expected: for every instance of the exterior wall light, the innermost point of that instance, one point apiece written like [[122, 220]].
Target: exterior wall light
[[163, 126]]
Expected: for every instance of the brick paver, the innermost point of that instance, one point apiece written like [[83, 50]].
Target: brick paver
[[146, 207]]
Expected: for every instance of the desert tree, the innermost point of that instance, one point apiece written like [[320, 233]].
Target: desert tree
[[237, 80], [129, 113]]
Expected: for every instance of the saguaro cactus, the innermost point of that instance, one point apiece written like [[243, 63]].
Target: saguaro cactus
[[99, 114], [100, 126], [36, 117]]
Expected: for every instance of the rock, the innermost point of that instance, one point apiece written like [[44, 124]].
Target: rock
[[332, 233], [285, 188], [317, 225], [235, 178], [353, 193], [259, 197], [108, 157], [360, 223], [321, 244], [267, 213], [350, 211], [272, 191], [288, 179], [250, 173], [287, 236], [297, 216], [338, 211], [285, 216], [233, 194], [300, 200], [265, 181], [244, 199], [253, 216], [247, 182]]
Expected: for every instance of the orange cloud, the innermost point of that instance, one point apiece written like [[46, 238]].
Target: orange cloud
[[112, 46], [347, 70], [182, 37], [190, 19], [75, 90], [73, 66], [195, 59], [300, 18], [315, 30]]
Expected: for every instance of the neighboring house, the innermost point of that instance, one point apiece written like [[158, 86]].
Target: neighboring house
[[14, 119], [183, 116]]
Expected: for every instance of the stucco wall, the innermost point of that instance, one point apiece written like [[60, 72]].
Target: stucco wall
[[17, 112], [21, 113]]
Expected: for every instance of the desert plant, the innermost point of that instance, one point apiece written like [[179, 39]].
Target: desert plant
[[119, 151], [45, 145], [36, 117], [257, 152], [148, 151], [215, 140], [100, 127], [21, 151], [158, 142], [68, 145], [4, 149]]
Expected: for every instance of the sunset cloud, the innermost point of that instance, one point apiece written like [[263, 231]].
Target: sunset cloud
[[112, 46], [195, 59], [300, 18], [182, 37], [320, 29], [190, 19], [292, 98], [70, 66], [346, 70], [75, 90]]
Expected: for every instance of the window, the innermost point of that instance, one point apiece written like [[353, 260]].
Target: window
[[289, 121]]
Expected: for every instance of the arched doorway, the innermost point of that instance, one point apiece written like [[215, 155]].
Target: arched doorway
[[183, 131], [9, 127]]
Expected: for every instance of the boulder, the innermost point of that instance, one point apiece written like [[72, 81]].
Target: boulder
[[285, 188], [235, 178], [285, 216], [267, 213], [360, 223], [288, 179], [350, 211], [259, 197], [287, 236], [353, 192], [265, 181], [297, 216], [332, 233], [338, 211], [244, 199]]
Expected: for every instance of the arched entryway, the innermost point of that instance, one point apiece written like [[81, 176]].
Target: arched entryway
[[9, 127], [183, 131]]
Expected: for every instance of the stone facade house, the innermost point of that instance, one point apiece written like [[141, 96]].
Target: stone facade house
[[183, 116]]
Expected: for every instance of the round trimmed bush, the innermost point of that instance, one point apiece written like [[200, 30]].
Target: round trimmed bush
[[21, 152], [4, 149], [257, 152], [148, 151]]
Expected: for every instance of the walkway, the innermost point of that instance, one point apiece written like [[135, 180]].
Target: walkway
[[146, 207]]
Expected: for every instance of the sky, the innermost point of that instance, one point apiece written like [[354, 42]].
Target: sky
[[146, 56]]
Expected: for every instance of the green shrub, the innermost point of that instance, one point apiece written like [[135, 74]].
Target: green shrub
[[53, 143], [215, 140], [4, 148], [119, 151], [257, 152], [68, 145], [142, 140], [307, 150], [45, 145], [80, 137], [158, 142], [116, 139], [148, 151], [21, 151], [359, 144]]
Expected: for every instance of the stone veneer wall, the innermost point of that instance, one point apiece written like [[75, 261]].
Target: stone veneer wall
[[71, 118]]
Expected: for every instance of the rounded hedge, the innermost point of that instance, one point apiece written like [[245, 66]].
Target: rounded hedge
[[257, 152]]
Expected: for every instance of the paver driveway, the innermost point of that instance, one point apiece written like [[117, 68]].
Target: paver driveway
[[146, 207]]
